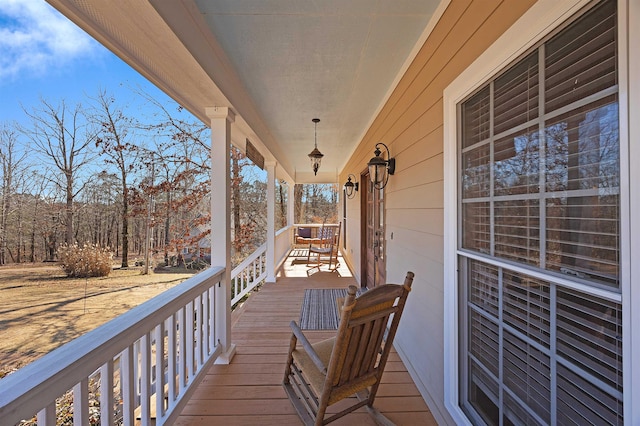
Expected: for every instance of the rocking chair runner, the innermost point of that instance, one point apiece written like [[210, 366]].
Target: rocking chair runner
[[351, 363]]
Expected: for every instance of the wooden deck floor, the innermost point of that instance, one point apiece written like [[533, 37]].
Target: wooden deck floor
[[248, 391]]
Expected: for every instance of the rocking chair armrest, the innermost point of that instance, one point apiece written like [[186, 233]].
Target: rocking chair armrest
[[297, 331]]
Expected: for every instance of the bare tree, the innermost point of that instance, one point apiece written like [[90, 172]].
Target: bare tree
[[281, 203], [11, 164], [97, 206], [65, 138], [114, 142], [236, 178], [316, 203], [182, 146], [37, 190]]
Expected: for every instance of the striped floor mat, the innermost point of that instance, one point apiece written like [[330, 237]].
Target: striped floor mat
[[320, 310]]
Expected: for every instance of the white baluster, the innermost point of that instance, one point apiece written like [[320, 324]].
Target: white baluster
[[206, 348], [127, 385], [136, 371], [145, 379], [212, 328], [159, 335], [197, 305], [106, 394], [182, 355], [47, 416], [171, 359], [189, 340], [81, 403]]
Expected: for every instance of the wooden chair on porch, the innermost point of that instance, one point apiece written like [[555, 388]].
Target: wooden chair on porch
[[351, 363], [325, 251], [303, 236], [310, 236]]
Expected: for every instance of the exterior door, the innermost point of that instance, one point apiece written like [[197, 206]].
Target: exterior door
[[373, 258]]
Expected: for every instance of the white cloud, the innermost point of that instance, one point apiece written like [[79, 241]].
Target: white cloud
[[36, 39]]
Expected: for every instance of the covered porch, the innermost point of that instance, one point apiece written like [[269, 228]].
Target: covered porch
[[123, 363], [248, 391], [500, 327]]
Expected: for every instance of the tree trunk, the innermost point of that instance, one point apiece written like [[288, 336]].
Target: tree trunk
[[297, 200], [167, 226], [68, 235], [32, 242], [3, 227], [117, 243], [125, 224], [6, 204], [19, 243]]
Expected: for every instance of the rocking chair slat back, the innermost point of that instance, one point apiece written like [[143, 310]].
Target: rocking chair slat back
[[350, 363]]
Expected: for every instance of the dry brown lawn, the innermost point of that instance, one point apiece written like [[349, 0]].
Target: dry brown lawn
[[41, 309]]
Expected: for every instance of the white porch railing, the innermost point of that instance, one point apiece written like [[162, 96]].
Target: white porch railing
[[283, 244], [164, 344], [144, 363], [253, 270], [247, 275]]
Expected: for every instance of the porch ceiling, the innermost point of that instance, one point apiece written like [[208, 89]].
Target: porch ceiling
[[276, 63]]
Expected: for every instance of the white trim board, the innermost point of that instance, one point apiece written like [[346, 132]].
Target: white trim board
[[629, 75]]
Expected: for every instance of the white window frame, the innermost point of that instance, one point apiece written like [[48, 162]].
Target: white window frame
[[542, 18]]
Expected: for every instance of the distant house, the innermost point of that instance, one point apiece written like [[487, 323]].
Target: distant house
[[197, 241]]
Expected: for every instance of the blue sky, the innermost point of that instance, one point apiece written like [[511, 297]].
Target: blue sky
[[43, 54]]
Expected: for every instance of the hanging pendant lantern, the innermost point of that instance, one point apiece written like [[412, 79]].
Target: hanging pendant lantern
[[315, 156]]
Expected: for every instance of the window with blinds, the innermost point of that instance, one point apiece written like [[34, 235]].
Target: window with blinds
[[539, 180], [546, 151]]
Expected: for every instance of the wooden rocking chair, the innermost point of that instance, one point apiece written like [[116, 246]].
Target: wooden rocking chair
[[327, 246], [351, 363]]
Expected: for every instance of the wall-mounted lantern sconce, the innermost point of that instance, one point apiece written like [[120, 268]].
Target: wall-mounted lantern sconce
[[351, 187], [379, 168]]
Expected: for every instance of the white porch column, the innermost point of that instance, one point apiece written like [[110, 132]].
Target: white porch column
[[221, 119], [291, 206], [291, 212], [271, 219]]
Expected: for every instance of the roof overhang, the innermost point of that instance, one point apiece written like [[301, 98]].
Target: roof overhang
[[277, 64]]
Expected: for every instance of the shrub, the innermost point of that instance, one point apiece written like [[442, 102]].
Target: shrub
[[90, 260]]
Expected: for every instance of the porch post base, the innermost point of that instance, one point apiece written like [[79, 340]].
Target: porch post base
[[227, 356]]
